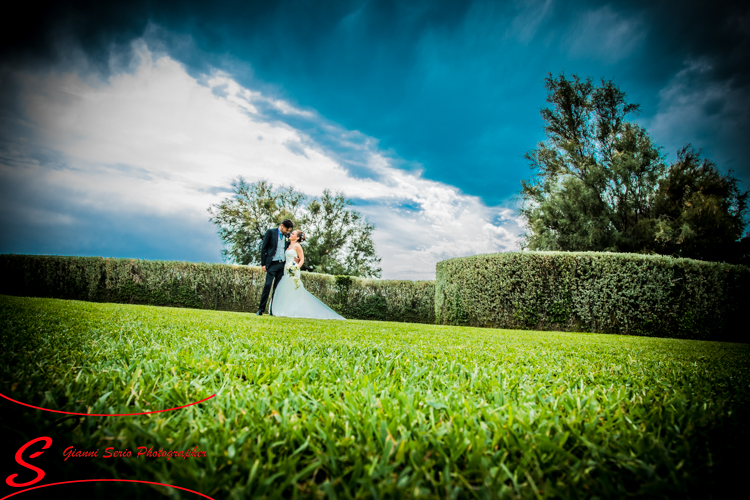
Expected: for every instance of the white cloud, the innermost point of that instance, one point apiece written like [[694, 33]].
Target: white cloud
[[530, 15], [157, 141], [605, 35], [685, 106]]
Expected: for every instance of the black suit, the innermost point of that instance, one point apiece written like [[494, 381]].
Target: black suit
[[274, 269]]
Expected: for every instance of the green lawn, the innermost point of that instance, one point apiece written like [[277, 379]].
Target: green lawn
[[366, 409]]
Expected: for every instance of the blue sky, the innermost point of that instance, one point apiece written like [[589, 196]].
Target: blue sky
[[120, 125]]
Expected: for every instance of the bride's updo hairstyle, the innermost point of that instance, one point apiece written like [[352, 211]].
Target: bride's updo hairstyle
[[300, 236]]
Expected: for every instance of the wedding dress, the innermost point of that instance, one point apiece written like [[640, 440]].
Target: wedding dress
[[291, 300]]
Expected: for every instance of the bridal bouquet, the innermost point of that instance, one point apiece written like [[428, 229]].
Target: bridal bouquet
[[293, 273]]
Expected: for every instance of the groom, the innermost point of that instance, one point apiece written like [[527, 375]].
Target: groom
[[272, 259]]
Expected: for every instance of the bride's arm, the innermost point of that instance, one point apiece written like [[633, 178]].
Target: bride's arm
[[300, 256]]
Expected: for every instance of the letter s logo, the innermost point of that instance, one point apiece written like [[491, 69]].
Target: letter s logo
[[39, 472]]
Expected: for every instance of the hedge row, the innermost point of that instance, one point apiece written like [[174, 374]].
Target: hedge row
[[595, 292], [577, 291], [206, 286]]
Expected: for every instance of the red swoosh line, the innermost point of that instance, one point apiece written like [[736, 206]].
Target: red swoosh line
[[94, 480], [106, 415]]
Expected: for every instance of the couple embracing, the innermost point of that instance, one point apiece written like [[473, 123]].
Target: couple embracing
[[281, 256]]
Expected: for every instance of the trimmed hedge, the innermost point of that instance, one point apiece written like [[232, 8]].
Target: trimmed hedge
[[570, 291], [205, 286], [595, 292]]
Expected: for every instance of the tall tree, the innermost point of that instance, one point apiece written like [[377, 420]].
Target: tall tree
[[339, 239], [601, 183], [594, 173]]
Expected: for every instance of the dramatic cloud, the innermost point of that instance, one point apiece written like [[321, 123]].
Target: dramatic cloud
[[155, 143], [452, 86], [691, 102]]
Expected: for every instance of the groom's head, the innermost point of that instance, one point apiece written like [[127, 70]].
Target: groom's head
[[286, 226]]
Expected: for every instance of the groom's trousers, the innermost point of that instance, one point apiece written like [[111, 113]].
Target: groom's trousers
[[274, 273]]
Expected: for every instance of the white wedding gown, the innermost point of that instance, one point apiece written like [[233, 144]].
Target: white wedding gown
[[291, 300]]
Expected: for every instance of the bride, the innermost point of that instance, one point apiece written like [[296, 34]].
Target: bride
[[291, 299]]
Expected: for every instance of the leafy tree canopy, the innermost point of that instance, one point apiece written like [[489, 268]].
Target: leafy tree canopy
[[601, 184], [339, 240]]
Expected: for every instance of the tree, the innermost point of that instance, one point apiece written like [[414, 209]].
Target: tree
[[245, 217], [601, 183], [700, 211], [339, 241]]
